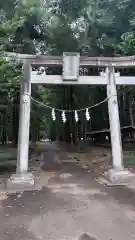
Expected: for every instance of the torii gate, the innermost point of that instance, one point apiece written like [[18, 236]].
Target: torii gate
[[71, 63]]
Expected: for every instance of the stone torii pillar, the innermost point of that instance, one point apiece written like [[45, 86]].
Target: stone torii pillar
[[118, 174], [114, 119], [22, 177]]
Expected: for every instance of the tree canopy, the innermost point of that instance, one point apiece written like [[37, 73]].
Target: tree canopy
[[91, 27]]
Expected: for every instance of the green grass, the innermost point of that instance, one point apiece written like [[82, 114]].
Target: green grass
[[129, 161], [7, 157]]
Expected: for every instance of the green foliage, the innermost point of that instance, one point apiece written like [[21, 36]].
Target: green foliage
[[127, 44], [91, 27]]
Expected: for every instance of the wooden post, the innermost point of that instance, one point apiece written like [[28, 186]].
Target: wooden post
[[24, 122], [114, 120]]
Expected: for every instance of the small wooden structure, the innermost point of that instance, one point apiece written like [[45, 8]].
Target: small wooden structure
[[71, 62], [104, 134]]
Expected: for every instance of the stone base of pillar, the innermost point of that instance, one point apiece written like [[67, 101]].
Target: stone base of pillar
[[118, 178], [123, 176], [21, 181]]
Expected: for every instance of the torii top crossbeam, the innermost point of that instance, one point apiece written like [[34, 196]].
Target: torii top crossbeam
[[118, 62]]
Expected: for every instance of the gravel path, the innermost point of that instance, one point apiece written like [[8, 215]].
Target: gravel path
[[70, 204]]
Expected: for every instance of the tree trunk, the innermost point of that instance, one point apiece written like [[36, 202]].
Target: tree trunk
[[132, 119], [72, 120], [15, 117], [67, 132], [4, 128], [79, 130], [33, 130], [67, 128]]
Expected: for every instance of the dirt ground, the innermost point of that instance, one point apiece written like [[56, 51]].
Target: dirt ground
[[68, 201]]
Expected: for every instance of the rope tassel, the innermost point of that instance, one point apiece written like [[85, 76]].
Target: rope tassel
[[87, 114], [63, 117], [76, 116], [53, 115]]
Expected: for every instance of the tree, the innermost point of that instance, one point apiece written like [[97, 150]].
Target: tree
[[90, 27]]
